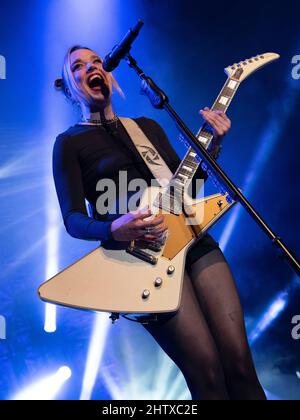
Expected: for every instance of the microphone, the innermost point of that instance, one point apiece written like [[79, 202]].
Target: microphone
[[112, 60]]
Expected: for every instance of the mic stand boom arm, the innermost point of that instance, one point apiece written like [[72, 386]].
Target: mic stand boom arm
[[160, 101]]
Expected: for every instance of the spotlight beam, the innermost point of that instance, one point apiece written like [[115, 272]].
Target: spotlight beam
[[273, 311], [46, 388], [95, 353]]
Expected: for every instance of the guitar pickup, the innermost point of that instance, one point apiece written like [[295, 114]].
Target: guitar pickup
[[156, 247], [142, 255], [152, 246]]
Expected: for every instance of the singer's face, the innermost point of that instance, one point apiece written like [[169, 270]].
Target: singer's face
[[94, 84]]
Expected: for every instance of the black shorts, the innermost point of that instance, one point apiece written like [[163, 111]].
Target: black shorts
[[199, 249]]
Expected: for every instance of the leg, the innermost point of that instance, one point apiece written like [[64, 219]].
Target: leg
[[185, 337], [216, 292]]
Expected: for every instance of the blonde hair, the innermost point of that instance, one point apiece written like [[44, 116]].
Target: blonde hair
[[67, 83]]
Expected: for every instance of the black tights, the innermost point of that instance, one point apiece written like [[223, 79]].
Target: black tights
[[206, 338]]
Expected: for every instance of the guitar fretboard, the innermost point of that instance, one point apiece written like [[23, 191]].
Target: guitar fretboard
[[171, 199]]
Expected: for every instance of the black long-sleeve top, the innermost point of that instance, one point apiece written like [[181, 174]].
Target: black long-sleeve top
[[85, 154]]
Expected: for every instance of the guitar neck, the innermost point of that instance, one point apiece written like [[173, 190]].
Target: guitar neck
[[236, 74], [190, 163]]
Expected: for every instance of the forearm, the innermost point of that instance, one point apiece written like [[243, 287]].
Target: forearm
[[81, 226]]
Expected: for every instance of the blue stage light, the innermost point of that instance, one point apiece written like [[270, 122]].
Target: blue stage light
[[46, 388], [269, 316], [273, 311], [95, 353]]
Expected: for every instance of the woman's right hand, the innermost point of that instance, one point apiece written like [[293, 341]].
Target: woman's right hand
[[133, 226]]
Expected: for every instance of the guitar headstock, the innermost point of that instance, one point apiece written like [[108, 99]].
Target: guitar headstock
[[240, 71]]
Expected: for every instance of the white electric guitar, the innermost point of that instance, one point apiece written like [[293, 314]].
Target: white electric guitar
[[139, 280]]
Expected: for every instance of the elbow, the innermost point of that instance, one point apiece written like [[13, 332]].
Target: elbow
[[71, 228]]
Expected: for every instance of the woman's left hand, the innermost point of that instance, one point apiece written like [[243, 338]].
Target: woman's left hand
[[218, 121]]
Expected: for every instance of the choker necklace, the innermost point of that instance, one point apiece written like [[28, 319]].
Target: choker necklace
[[99, 121]]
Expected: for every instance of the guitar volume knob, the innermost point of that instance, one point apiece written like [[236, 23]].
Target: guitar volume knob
[[171, 269], [158, 282], [145, 294]]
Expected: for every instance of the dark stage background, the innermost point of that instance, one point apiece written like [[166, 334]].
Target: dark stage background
[[185, 45]]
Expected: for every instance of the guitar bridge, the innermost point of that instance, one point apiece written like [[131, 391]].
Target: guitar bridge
[[142, 255]]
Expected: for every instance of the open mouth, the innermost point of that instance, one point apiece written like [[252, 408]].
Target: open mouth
[[96, 82]]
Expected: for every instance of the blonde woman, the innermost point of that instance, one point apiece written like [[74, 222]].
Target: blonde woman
[[206, 337]]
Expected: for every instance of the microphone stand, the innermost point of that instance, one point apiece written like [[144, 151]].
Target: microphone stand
[[159, 100]]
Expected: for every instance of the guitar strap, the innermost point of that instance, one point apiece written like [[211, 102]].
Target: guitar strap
[[148, 152]]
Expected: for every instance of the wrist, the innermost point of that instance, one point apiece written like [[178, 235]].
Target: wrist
[[112, 230], [216, 152], [215, 148], [108, 232]]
